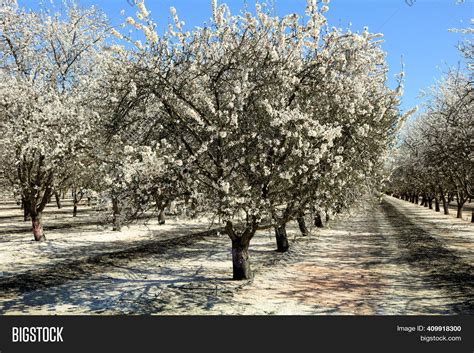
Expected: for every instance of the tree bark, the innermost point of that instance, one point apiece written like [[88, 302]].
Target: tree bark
[[430, 203], [37, 228], [302, 225], [281, 238], [445, 206], [26, 211], [58, 200], [437, 209], [160, 205], [161, 216], [318, 222], [77, 199], [472, 216], [240, 259], [459, 213], [116, 224]]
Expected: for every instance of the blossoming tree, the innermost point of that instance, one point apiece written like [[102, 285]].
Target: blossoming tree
[[49, 65], [266, 112]]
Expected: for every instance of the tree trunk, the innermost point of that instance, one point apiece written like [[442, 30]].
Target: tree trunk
[[160, 205], [423, 200], [430, 203], [37, 228], [445, 206], [472, 216], [318, 222], [58, 200], [116, 225], [240, 259], [437, 209], [417, 199], [459, 213], [161, 216], [76, 202], [26, 212], [302, 225], [281, 238]]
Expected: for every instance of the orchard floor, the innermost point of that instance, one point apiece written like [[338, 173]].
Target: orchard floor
[[390, 258]]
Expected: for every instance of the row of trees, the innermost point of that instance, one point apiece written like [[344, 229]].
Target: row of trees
[[255, 119], [435, 160]]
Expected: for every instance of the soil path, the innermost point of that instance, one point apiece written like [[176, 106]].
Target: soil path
[[397, 258]]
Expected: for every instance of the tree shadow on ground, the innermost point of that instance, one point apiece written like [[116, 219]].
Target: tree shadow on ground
[[441, 267], [156, 277]]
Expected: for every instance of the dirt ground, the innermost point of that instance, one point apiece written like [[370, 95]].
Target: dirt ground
[[389, 258]]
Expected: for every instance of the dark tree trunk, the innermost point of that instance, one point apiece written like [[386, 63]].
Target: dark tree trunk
[[302, 225], [417, 201], [472, 216], [58, 200], [430, 203], [26, 211], [37, 228], [281, 238], [161, 216], [116, 223], [445, 206], [77, 198], [160, 204], [459, 213], [423, 200], [318, 222], [437, 209], [240, 259]]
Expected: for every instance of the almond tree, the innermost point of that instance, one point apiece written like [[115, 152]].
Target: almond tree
[[252, 103], [49, 64]]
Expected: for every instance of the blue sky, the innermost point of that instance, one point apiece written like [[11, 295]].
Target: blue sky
[[418, 32]]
